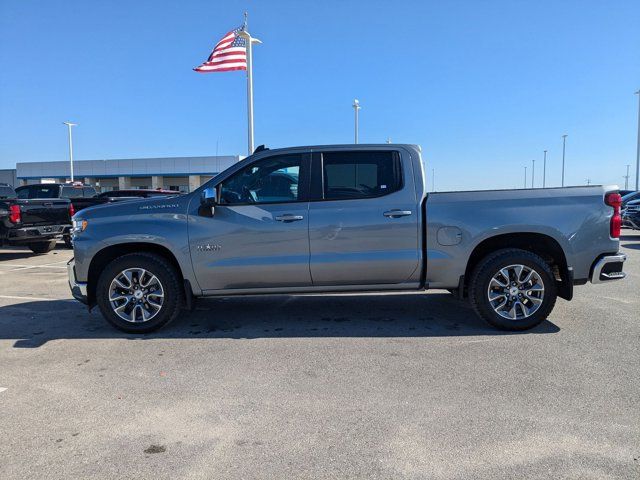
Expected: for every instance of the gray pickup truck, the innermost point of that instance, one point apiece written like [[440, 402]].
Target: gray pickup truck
[[346, 218]]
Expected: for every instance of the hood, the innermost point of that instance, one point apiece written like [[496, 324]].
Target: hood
[[136, 206]]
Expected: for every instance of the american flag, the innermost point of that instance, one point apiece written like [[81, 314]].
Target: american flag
[[229, 54]]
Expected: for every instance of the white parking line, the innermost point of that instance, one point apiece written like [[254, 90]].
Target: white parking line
[[38, 299], [2, 389], [36, 266]]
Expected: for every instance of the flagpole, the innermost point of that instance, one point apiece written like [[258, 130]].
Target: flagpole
[[250, 41]]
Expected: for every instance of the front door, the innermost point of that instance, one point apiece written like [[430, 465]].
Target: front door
[[257, 236], [363, 219]]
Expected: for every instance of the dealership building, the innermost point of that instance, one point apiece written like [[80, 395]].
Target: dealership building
[[174, 173]]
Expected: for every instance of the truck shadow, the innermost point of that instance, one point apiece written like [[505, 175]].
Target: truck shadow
[[33, 324]]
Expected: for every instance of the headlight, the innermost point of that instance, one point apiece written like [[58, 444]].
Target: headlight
[[79, 226]]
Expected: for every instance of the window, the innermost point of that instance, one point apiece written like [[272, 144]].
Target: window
[[6, 192], [89, 192], [272, 180], [350, 175], [39, 191], [71, 192]]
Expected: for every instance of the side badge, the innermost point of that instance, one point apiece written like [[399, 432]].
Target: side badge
[[208, 247]]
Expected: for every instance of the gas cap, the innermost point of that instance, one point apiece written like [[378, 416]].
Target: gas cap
[[449, 236]]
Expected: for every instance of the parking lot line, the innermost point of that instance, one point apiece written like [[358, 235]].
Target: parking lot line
[[29, 267], [39, 299]]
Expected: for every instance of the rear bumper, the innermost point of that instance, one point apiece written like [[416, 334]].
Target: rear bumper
[[78, 289], [26, 235], [608, 268]]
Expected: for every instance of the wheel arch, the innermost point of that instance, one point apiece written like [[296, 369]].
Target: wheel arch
[[103, 257], [539, 243]]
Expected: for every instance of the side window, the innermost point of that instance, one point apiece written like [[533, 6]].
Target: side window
[[272, 180], [351, 175], [23, 192]]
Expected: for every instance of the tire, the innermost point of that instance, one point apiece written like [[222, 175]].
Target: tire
[[67, 241], [535, 305], [168, 284], [43, 247]]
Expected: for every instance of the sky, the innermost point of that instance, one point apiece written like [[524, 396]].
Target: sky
[[483, 86]]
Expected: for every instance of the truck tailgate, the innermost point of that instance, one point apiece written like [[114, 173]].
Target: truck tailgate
[[45, 211]]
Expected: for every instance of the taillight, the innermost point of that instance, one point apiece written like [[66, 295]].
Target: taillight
[[72, 211], [15, 216], [614, 200]]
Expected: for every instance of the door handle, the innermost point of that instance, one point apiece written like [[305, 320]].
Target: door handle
[[287, 217], [395, 213]]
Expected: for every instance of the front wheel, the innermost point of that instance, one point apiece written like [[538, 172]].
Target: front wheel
[[513, 289], [139, 292]]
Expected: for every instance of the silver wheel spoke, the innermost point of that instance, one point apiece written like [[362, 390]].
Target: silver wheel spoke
[[518, 271], [496, 295]]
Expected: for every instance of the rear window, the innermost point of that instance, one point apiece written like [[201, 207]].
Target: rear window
[[39, 191], [71, 192], [89, 192], [352, 175]]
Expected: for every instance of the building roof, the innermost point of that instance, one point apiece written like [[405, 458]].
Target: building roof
[[128, 167]]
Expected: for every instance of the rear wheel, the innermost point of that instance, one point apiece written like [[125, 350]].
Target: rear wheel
[[43, 247], [139, 293], [513, 289], [67, 241]]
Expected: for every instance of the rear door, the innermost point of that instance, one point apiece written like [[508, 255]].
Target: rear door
[[363, 218]]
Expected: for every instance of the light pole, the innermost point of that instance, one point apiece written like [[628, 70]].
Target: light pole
[[525, 177], [356, 106], [564, 144], [638, 145], [533, 173], [69, 125], [626, 179], [544, 170]]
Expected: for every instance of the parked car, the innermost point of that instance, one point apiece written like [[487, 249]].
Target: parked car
[[353, 218], [630, 197], [624, 192], [37, 224], [631, 215], [81, 196], [139, 193]]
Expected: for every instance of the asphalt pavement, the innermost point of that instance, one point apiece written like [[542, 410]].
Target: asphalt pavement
[[387, 386]]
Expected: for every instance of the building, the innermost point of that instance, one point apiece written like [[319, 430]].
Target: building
[[8, 176], [175, 173]]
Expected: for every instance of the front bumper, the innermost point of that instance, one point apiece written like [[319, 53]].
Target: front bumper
[[78, 289], [608, 268]]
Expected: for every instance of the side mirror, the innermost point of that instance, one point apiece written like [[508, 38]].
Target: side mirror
[[209, 197], [208, 202]]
